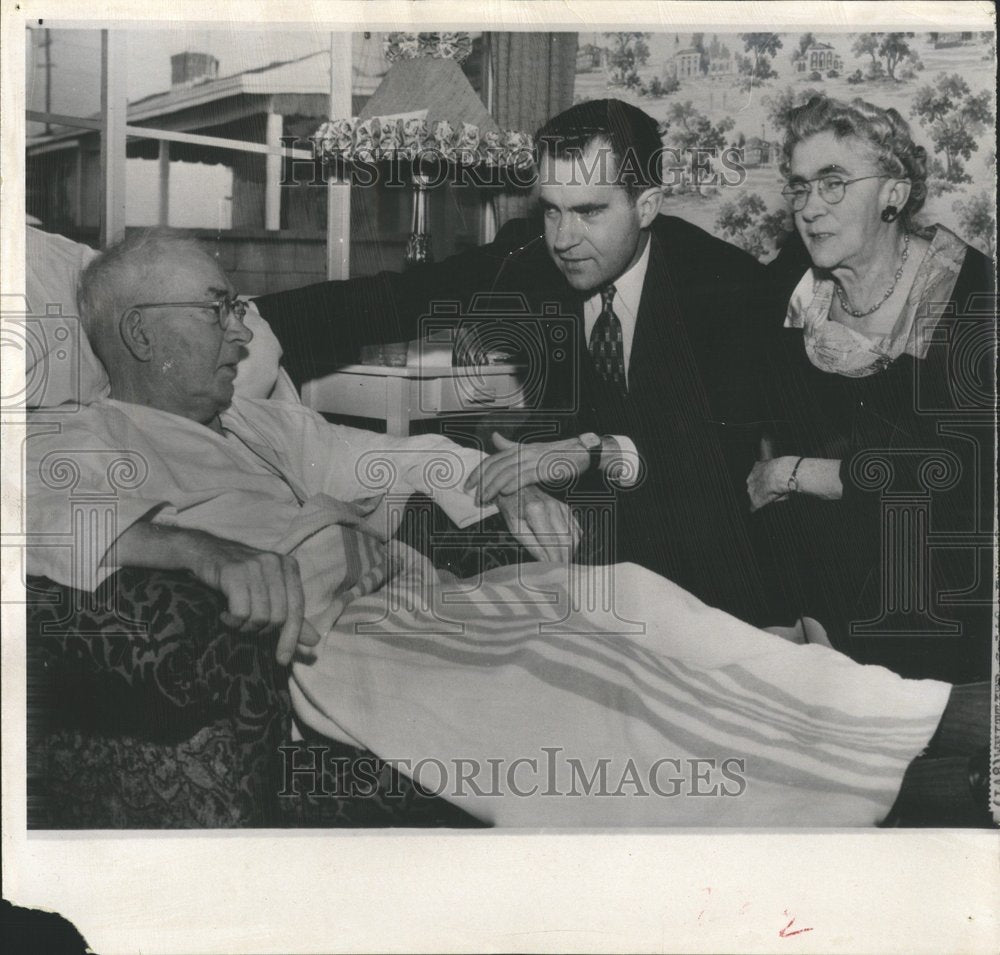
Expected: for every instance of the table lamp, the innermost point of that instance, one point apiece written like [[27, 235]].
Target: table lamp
[[426, 116]]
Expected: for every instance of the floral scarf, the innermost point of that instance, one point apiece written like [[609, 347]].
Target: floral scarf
[[838, 349]]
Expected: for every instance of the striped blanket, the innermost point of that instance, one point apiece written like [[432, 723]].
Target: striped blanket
[[543, 695]]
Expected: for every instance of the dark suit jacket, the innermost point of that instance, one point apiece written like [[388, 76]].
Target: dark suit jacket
[[694, 402]]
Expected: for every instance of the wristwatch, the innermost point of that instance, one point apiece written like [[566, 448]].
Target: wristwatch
[[793, 480], [593, 444]]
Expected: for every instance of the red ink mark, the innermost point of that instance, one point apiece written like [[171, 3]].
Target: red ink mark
[[785, 933], [702, 912]]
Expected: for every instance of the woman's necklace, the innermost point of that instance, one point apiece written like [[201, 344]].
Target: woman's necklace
[[892, 288]]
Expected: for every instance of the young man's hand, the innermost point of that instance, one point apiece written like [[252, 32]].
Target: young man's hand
[[516, 466]]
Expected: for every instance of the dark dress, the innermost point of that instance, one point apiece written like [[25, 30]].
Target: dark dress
[[900, 570]]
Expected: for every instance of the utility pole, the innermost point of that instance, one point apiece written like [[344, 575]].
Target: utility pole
[[45, 43]]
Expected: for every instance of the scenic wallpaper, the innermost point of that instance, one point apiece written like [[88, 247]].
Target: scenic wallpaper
[[734, 89]]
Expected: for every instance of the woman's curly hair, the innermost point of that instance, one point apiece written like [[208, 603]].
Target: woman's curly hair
[[885, 131]]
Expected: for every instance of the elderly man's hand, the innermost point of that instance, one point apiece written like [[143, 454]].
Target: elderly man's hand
[[263, 590], [516, 466], [544, 525]]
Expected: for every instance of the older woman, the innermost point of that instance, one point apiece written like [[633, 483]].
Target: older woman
[[886, 391]]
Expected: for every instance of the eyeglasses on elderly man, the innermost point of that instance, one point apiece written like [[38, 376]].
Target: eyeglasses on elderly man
[[227, 309]]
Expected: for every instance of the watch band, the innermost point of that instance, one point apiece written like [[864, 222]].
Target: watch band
[[793, 481]]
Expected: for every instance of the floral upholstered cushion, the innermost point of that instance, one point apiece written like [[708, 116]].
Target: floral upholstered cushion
[[144, 711]]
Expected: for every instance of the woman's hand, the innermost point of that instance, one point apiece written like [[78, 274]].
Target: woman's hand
[[815, 477], [768, 481]]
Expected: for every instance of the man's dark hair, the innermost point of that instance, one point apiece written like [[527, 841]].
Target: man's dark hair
[[633, 136]]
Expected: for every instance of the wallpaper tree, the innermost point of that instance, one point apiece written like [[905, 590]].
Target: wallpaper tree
[[893, 48], [692, 132], [627, 52], [747, 223], [956, 119], [780, 106], [887, 52], [698, 43], [758, 67], [805, 41], [867, 45], [977, 219]]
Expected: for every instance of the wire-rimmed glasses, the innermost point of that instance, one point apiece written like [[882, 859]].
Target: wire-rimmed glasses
[[831, 189]]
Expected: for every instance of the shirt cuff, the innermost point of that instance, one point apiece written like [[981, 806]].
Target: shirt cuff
[[623, 468]]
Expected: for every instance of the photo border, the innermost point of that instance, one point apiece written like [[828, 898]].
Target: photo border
[[288, 890]]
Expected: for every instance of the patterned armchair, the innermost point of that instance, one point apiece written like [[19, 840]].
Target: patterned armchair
[[144, 711]]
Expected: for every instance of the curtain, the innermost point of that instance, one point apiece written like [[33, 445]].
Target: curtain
[[533, 76]]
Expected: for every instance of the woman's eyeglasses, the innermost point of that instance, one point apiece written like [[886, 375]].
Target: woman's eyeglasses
[[227, 310], [831, 189]]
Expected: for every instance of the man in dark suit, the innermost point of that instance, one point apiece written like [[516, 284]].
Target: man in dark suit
[[661, 395]]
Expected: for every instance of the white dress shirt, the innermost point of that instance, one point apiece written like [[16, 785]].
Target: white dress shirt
[[628, 292]]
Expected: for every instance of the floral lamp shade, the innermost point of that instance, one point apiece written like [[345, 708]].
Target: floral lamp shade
[[425, 113]]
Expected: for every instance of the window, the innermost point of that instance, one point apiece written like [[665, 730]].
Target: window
[[200, 151]]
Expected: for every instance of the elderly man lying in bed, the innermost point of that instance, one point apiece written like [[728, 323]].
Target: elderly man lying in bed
[[564, 694]]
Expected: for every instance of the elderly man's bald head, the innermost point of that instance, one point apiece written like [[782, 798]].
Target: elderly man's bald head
[[159, 313], [139, 268]]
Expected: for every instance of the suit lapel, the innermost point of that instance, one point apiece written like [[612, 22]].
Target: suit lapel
[[663, 369], [658, 307]]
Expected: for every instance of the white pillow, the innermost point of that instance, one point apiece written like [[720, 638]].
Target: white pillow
[[257, 373], [59, 365]]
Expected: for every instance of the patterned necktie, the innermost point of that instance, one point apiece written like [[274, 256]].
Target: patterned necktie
[[606, 348]]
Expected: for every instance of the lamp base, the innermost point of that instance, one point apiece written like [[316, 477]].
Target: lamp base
[[418, 246], [418, 250]]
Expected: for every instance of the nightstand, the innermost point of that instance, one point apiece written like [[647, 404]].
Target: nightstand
[[400, 396]]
